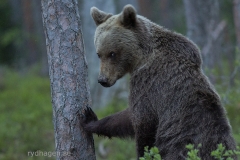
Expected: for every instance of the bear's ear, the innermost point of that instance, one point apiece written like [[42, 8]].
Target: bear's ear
[[99, 16], [128, 17]]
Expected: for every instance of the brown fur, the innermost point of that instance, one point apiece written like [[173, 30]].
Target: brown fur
[[171, 102]]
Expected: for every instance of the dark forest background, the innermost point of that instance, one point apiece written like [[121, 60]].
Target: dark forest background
[[25, 102]]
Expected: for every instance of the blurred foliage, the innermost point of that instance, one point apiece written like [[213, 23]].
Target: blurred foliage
[[25, 115], [9, 33], [227, 14], [228, 87]]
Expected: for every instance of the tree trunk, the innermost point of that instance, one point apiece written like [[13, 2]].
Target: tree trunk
[[205, 29], [32, 54], [236, 13], [39, 37], [68, 76], [165, 13], [145, 8]]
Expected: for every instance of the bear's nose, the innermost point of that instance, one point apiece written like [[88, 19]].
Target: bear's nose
[[103, 80]]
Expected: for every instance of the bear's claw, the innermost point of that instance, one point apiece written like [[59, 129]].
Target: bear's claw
[[89, 116]]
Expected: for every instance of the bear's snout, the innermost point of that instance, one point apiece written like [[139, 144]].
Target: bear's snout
[[103, 81]]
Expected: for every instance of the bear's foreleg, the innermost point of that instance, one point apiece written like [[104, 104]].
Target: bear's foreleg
[[116, 125]]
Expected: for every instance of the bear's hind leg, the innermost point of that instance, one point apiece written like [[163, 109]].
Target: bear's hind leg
[[141, 143]]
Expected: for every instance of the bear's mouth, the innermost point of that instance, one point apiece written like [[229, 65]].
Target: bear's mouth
[[107, 84]]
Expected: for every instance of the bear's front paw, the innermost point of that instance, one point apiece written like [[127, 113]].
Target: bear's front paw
[[89, 116], [89, 120]]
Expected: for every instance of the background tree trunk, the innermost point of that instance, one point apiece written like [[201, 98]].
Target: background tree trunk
[[236, 14], [39, 37], [145, 8], [30, 50], [68, 75], [28, 19], [205, 29]]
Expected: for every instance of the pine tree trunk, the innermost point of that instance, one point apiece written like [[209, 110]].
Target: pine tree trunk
[[205, 29], [236, 13], [68, 76]]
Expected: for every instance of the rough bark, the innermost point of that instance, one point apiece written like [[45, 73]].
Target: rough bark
[[236, 13], [68, 76], [205, 29]]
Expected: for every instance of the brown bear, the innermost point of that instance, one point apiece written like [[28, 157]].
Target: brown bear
[[171, 101]]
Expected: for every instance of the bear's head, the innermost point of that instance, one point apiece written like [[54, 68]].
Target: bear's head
[[116, 43]]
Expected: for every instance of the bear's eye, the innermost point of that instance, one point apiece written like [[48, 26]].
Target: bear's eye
[[112, 54]]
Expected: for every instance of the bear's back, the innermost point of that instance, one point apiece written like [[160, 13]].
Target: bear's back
[[179, 99]]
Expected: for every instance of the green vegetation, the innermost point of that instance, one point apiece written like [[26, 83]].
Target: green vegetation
[[25, 116], [192, 152], [219, 154], [151, 154]]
